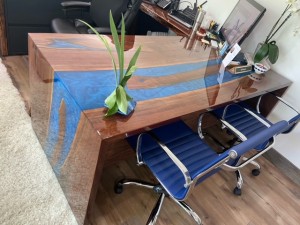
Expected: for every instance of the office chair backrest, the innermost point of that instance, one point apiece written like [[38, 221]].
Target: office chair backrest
[[131, 12], [99, 11], [293, 121]]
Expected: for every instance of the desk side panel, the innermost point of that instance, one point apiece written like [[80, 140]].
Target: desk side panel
[[71, 144], [41, 81]]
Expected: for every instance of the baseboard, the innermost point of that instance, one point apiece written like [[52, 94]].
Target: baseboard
[[284, 165]]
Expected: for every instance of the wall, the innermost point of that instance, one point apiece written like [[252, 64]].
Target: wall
[[23, 17], [288, 63]]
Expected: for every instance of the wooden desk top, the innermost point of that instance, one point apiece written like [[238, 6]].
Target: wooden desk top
[[171, 81]]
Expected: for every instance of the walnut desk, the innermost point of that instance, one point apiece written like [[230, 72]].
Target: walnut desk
[[71, 75]]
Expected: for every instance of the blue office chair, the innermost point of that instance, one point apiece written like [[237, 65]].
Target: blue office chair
[[245, 122], [180, 160]]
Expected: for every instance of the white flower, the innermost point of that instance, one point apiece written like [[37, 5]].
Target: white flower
[[294, 6], [291, 1], [294, 9]]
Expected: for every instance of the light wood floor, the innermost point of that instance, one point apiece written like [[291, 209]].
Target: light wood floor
[[269, 199]]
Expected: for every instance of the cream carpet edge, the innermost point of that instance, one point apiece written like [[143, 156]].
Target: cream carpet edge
[[29, 190]]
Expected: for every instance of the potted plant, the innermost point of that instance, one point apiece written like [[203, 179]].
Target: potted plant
[[119, 100], [269, 49]]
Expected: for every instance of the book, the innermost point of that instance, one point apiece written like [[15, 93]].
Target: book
[[240, 69]]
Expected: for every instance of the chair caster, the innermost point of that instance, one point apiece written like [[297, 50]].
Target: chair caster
[[255, 172], [237, 191], [118, 188]]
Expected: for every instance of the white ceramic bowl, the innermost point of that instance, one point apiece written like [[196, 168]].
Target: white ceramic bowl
[[260, 68]]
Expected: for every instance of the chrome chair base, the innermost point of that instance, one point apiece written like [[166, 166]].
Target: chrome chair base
[[157, 188], [226, 145], [255, 172], [238, 189]]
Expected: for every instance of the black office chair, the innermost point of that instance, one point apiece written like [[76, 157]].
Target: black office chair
[[98, 16], [180, 160], [245, 122]]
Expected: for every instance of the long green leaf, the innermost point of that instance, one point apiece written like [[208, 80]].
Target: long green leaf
[[131, 67], [115, 36], [273, 52], [121, 99], [134, 59], [118, 99], [106, 45], [111, 99], [261, 53], [122, 48], [112, 111], [128, 75]]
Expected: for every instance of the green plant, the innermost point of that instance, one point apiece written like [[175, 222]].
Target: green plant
[[269, 49], [119, 98]]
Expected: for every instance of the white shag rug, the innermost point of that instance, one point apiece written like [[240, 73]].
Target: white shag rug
[[29, 190]]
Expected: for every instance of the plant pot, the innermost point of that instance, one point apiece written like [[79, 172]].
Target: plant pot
[[114, 102], [130, 109], [256, 77], [259, 69]]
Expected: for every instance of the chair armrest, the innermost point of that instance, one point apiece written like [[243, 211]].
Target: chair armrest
[[176, 161], [251, 143], [293, 121], [280, 99], [75, 4], [260, 137], [199, 128], [102, 30]]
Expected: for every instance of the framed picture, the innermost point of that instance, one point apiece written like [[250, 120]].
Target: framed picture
[[241, 21]]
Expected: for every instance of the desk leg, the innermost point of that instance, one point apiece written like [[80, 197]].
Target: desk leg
[[80, 174], [77, 167]]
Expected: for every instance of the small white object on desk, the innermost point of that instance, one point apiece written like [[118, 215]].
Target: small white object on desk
[[231, 54], [260, 68], [214, 44], [228, 58]]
